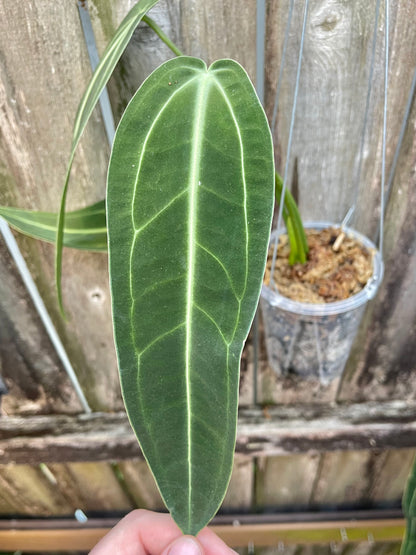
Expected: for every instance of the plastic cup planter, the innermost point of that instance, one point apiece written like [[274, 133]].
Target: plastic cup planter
[[314, 340]]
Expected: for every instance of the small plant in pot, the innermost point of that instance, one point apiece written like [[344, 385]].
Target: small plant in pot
[[314, 294]]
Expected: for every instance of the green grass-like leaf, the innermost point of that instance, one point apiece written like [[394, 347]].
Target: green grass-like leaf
[[409, 510], [297, 238], [84, 229], [88, 102], [189, 207]]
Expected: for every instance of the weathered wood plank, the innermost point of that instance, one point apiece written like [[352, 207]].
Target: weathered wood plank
[[43, 71], [239, 494], [141, 484], [343, 479], [90, 486], [383, 361], [274, 431], [29, 366], [331, 101], [390, 474], [31, 492], [286, 481]]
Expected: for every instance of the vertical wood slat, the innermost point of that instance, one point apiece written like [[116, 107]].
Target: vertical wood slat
[[90, 487], [286, 481], [29, 365], [26, 490], [239, 496], [390, 474], [343, 479], [383, 360], [43, 71]]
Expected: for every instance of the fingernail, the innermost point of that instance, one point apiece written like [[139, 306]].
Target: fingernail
[[185, 546]]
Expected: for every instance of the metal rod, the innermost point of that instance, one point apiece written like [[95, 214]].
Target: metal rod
[[94, 61], [41, 310]]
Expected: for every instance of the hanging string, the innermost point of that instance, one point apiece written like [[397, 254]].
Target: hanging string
[[366, 113], [282, 63], [384, 143], [289, 144]]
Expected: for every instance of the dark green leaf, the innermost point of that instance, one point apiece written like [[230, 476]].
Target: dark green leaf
[[297, 238], [88, 102], [189, 207], [84, 229]]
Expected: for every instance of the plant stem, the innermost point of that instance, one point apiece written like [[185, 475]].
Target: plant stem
[[153, 25], [297, 238]]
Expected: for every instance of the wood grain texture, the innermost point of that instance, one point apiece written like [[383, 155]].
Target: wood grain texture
[[383, 360], [285, 482], [29, 366], [140, 484], [239, 496], [326, 144], [343, 479], [28, 490], [91, 486], [390, 474], [275, 431], [43, 70]]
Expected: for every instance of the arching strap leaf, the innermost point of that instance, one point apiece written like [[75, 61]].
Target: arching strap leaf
[[88, 102], [189, 207], [409, 510], [84, 229]]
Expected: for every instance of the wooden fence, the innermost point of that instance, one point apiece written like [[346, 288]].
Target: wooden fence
[[301, 445]]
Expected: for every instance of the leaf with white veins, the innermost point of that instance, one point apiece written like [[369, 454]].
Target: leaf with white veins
[[189, 207]]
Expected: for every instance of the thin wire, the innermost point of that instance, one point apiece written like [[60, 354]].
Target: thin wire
[[383, 159], [41, 310], [282, 63], [366, 113], [289, 144]]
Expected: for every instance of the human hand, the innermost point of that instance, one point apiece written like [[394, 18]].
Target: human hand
[[146, 533]]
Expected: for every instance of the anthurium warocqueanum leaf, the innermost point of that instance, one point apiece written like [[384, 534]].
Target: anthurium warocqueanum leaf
[[189, 207], [84, 229], [99, 80]]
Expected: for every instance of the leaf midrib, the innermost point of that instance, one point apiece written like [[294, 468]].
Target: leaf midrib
[[193, 181]]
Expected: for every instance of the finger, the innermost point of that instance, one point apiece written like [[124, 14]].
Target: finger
[[185, 545], [206, 543], [141, 532], [212, 544]]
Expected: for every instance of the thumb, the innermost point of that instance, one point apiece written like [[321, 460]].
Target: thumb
[[185, 545]]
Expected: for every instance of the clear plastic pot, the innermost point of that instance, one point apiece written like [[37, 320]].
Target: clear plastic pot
[[314, 340]]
